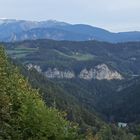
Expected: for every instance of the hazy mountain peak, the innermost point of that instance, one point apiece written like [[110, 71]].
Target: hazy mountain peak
[[5, 20], [51, 23]]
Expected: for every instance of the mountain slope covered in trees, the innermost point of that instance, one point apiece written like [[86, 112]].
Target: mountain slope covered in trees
[[87, 102], [68, 100], [23, 114]]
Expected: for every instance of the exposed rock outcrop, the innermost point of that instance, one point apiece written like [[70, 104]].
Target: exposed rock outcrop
[[100, 72], [55, 73], [31, 66]]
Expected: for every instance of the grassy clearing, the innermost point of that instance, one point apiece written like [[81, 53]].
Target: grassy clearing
[[78, 56], [20, 52], [83, 57]]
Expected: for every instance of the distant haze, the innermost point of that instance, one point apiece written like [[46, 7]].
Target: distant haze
[[114, 15]]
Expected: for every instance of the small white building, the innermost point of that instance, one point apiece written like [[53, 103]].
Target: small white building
[[122, 125]]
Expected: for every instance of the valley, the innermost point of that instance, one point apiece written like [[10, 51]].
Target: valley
[[69, 70], [94, 83], [94, 75]]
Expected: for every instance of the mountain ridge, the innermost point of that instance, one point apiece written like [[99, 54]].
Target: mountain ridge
[[76, 32]]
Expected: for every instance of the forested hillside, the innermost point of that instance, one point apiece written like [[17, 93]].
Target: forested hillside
[[72, 100], [92, 82], [71, 64], [23, 114]]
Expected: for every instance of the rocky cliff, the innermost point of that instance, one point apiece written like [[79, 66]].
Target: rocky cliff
[[55, 73], [99, 72]]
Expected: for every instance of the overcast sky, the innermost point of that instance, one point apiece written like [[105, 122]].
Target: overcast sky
[[114, 15]]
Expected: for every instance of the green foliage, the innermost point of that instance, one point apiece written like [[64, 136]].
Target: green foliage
[[23, 114], [82, 100], [64, 95], [103, 96]]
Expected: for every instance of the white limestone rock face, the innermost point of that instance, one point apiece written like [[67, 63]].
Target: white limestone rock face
[[103, 72], [55, 73], [100, 72], [31, 66], [85, 74]]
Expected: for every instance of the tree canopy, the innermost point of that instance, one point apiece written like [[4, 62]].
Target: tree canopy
[[23, 114]]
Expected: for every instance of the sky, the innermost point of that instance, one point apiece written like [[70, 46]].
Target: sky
[[113, 15]]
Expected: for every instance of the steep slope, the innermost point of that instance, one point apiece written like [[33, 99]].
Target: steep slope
[[125, 103], [72, 99], [78, 65], [23, 114], [80, 98]]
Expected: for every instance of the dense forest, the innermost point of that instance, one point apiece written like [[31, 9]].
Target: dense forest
[[81, 109], [23, 114], [61, 80], [89, 121], [108, 98]]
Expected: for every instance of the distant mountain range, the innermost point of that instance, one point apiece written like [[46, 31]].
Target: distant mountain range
[[18, 30]]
